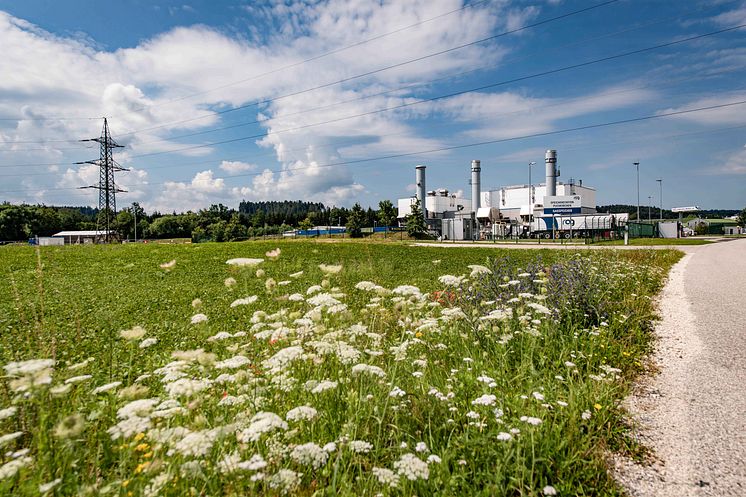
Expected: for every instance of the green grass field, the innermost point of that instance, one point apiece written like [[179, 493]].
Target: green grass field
[[333, 369]]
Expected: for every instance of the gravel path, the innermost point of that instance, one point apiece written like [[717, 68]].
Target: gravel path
[[693, 414]]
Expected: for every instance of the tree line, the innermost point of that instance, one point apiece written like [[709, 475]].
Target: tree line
[[215, 223], [667, 214]]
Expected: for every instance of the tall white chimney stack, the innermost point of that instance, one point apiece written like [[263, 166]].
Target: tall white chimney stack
[[476, 188], [421, 192], [550, 159]]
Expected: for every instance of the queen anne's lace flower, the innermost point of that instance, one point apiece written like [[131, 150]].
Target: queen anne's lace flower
[[412, 467], [309, 454], [306, 413]]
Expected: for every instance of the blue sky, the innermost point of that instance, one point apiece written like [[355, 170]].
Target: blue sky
[[162, 70]]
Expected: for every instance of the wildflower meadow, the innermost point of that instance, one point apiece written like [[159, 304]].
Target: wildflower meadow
[[310, 368]]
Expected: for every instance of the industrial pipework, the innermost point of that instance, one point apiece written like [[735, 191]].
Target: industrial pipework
[[550, 159], [476, 189]]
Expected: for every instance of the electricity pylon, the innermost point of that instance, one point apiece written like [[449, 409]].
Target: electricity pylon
[[107, 189]]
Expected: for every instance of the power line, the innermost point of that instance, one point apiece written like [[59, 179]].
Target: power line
[[449, 95], [316, 57], [359, 98], [401, 88], [376, 71], [385, 92], [273, 71], [354, 140], [468, 145]]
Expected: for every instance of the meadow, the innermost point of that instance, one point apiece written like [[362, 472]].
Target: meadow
[[318, 369]]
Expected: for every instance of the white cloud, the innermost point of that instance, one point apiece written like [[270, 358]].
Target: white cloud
[[235, 167], [720, 116], [494, 116], [735, 163]]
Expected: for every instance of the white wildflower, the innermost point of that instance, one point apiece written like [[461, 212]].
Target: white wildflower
[[330, 447], [10, 468], [538, 396], [297, 275], [449, 280], [484, 400], [530, 420], [586, 415], [196, 302], [330, 268], [285, 480], [197, 443], [230, 281], [360, 446], [261, 423], [168, 265], [199, 318], [107, 387], [129, 427], [433, 459], [386, 477], [549, 490], [273, 254], [244, 301], [134, 333], [254, 463], [421, 447], [412, 467], [504, 437], [323, 386], [296, 297], [299, 413], [148, 342], [4, 439], [365, 368], [46, 487], [397, 392], [78, 379], [309, 454], [233, 363], [244, 261], [28, 367], [313, 289], [186, 387], [8, 412], [476, 270]]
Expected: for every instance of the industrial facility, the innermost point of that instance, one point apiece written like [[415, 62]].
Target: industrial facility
[[552, 209]]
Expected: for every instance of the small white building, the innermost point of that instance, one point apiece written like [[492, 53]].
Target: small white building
[[82, 236]]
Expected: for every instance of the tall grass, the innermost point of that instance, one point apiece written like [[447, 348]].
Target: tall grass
[[495, 380]]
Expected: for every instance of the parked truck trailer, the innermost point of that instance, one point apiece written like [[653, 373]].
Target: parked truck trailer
[[577, 226]]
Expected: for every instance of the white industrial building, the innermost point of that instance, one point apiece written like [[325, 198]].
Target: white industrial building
[[514, 202], [543, 209]]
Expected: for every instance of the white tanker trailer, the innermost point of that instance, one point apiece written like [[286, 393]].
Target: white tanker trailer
[[576, 226]]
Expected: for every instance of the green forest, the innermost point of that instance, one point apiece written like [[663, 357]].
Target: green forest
[[216, 223]]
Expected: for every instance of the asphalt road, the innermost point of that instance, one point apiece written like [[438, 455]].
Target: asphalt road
[[693, 414]]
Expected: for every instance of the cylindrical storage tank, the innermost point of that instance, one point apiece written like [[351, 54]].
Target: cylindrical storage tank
[[476, 189], [420, 182], [550, 159]]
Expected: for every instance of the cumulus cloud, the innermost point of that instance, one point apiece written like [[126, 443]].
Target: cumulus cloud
[[181, 81], [235, 167]]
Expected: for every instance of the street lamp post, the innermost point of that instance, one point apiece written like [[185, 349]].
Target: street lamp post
[[660, 183], [530, 200], [637, 165], [650, 201]]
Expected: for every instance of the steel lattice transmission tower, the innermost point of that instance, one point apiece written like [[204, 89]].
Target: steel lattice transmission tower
[[107, 189]]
